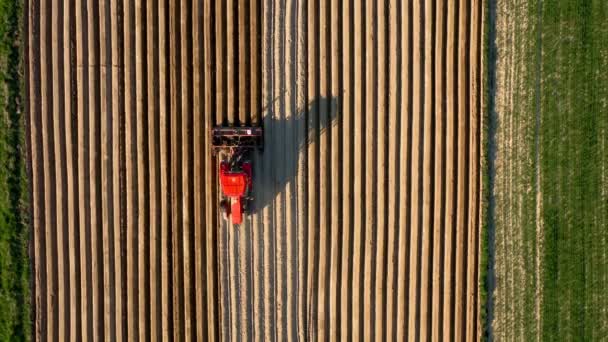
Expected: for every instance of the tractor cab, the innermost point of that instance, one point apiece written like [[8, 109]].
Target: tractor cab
[[234, 183]]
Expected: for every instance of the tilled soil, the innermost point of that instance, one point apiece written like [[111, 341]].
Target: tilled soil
[[366, 216]]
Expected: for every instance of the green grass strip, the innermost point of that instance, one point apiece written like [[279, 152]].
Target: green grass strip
[[15, 318], [574, 118]]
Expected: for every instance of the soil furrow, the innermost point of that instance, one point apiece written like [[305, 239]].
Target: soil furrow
[[428, 169], [290, 151], [58, 131], [393, 174], [199, 187], [438, 276], [450, 177], [94, 141], [474, 159], [358, 223], [463, 176], [187, 166], [131, 173], [301, 168], [405, 149], [46, 72], [106, 118], [117, 164], [268, 99], [231, 59], [154, 187], [83, 178], [381, 171], [344, 308], [312, 154], [335, 132], [277, 148], [370, 124], [323, 191], [69, 55], [165, 171], [178, 167], [213, 285], [35, 169], [143, 200], [416, 176]]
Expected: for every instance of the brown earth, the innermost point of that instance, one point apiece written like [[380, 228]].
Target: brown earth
[[367, 212]]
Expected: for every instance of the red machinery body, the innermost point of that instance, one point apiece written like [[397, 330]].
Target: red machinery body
[[236, 185], [233, 145]]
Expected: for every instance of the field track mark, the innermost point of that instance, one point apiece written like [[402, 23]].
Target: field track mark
[[117, 165], [324, 155], [231, 59], [131, 172], [154, 187], [313, 160], [301, 171], [369, 129], [246, 271], [437, 302], [177, 157], [404, 102], [358, 210], [344, 314], [540, 236], [289, 177], [49, 179], [165, 171], [255, 78], [213, 283], [58, 131], [474, 172], [381, 210], [334, 130], [33, 103], [186, 65], [428, 169], [69, 54], [451, 157], [83, 169], [106, 118], [242, 62], [463, 169], [221, 116], [405, 183], [199, 152], [269, 302], [277, 115], [94, 136], [416, 177], [393, 176], [141, 124]]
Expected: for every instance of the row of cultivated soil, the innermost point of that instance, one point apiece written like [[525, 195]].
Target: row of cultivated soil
[[366, 215], [124, 245]]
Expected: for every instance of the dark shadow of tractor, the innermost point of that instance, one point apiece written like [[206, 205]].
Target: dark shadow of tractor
[[287, 140]]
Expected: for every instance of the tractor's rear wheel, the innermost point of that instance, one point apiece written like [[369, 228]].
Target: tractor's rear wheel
[[225, 209]]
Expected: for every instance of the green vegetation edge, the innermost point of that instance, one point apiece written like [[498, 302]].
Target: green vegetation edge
[[485, 178], [15, 270]]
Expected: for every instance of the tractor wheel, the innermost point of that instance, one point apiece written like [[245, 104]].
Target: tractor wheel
[[225, 209], [246, 205]]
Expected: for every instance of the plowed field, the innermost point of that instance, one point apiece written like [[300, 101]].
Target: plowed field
[[367, 194]]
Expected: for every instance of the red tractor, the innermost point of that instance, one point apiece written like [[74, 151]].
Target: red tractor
[[234, 145]]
